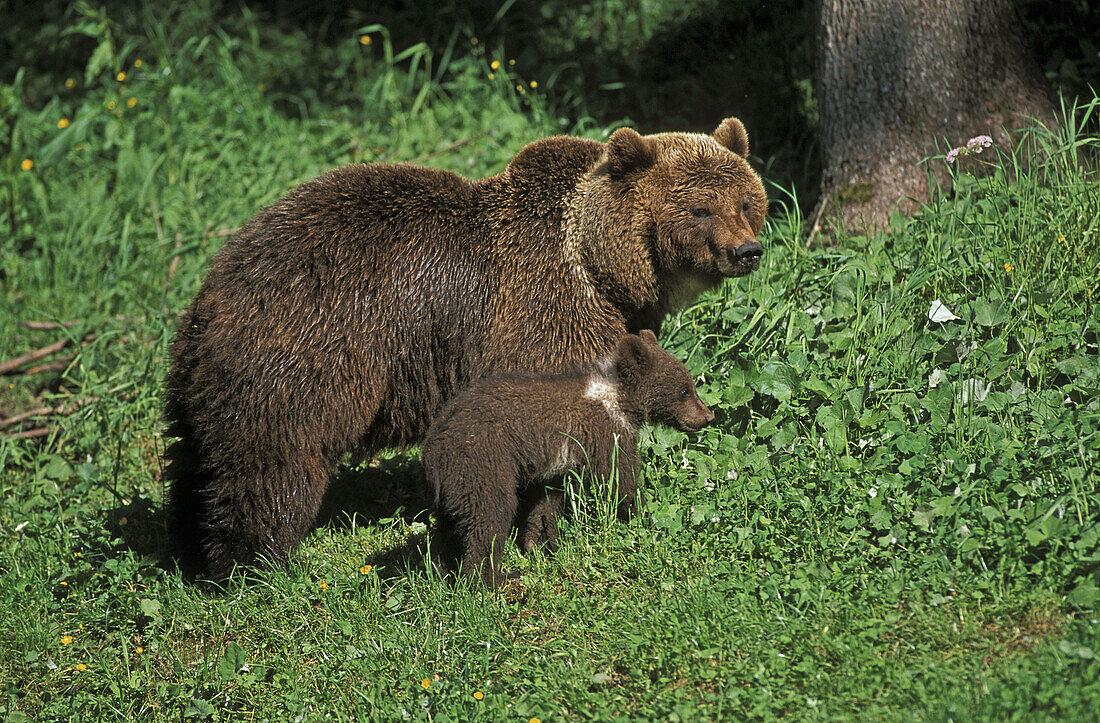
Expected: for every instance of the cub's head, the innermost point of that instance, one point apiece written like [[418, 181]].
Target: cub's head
[[696, 197], [658, 385]]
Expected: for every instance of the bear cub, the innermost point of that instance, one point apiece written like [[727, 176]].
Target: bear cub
[[511, 434]]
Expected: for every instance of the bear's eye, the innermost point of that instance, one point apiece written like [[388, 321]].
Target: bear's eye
[[685, 393], [701, 212], [746, 205]]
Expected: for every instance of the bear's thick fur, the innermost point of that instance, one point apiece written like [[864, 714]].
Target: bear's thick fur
[[349, 312], [507, 434]]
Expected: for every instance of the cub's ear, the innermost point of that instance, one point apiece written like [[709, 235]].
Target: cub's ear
[[627, 153], [731, 134], [632, 352], [648, 337]]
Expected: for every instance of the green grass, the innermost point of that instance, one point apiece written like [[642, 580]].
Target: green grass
[[893, 517]]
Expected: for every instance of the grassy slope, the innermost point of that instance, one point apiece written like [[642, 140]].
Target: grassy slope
[[847, 541]]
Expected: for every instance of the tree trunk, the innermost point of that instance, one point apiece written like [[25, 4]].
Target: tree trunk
[[901, 80]]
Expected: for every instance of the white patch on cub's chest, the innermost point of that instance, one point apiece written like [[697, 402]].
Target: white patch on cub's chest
[[602, 388]]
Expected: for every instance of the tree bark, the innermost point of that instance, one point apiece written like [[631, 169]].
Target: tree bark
[[901, 80]]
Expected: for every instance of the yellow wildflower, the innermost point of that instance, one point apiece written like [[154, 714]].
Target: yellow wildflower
[[139, 650], [478, 695], [70, 82], [534, 84], [425, 683], [110, 105], [81, 667], [473, 41], [492, 76], [63, 123], [323, 585], [365, 569], [1061, 239], [495, 65], [122, 522], [65, 583], [512, 61], [138, 63], [364, 40], [534, 720], [27, 164], [519, 88], [66, 639], [1008, 268], [120, 77], [132, 102]]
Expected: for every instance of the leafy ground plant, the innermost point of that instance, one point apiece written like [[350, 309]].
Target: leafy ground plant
[[895, 515]]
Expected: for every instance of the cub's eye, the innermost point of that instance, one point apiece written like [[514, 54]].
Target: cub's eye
[[746, 205], [685, 393], [701, 212]]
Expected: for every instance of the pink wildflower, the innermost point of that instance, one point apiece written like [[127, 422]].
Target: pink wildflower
[[973, 147]]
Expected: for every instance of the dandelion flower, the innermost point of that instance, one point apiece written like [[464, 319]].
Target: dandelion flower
[[1008, 268], [478, 695], [473, 41], [70, 82], [364, 40], [495, 65], [27, 164], [492, 76], [534, 720], [120, 77], [63, 123], [365, 569], [66, 639], [512, 61], [78, 554], [323, 585], [139, 650], [425, 683], [81, 667], [138, 63], [65, 583], [519, 88], [1061, 239], [110, 105], [132, 102], [534, 84]]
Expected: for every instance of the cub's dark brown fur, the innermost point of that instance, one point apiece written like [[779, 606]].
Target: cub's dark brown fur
[[346, 314], [507, 434]]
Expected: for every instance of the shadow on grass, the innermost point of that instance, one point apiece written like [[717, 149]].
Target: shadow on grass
[[387, 489]]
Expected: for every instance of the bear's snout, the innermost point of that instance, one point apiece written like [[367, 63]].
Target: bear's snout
[[749, 253]]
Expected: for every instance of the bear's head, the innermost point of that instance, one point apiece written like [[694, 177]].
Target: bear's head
[[696, 198], [656, 386]]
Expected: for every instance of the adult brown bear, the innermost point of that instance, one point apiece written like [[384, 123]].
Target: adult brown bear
[[346, 314]]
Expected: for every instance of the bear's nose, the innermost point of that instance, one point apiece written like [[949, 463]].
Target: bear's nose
[[749, 251]]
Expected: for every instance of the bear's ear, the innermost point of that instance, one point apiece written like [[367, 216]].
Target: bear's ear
[[632, 352], [648, 337], [627, 153], [731, 134]]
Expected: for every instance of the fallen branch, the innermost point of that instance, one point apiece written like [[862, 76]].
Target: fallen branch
[[29, 434], [12, 365], [17, 418], [57, 365], [49, 325]]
